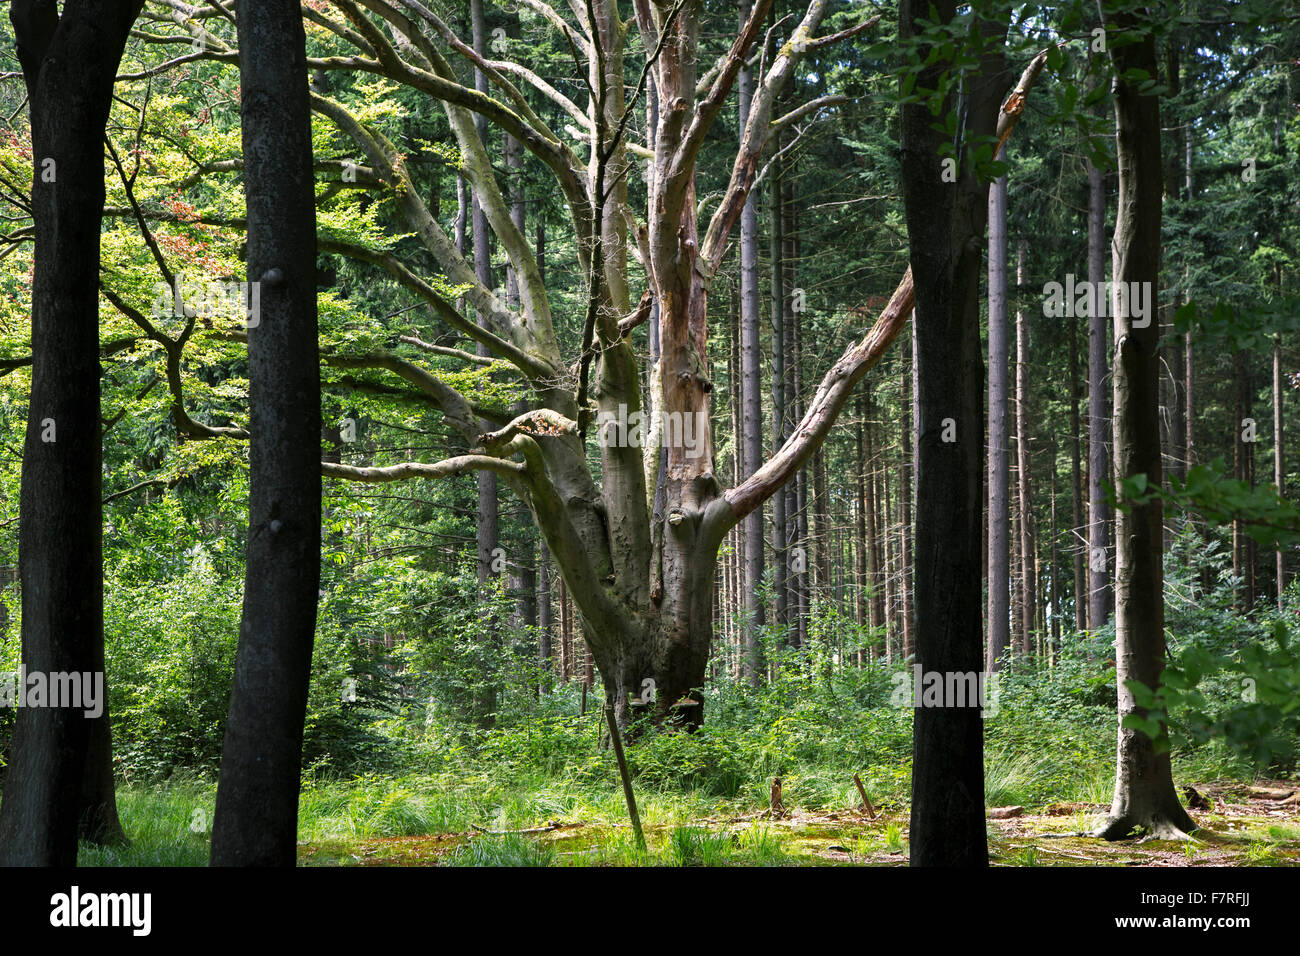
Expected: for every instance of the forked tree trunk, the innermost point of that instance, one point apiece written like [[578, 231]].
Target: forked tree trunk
[[1144, 787], [60, 777]]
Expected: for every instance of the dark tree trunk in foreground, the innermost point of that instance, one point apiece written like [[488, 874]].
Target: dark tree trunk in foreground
[[945, 224], [59, 774], [1144, 786], [999, 516], [256, 822]]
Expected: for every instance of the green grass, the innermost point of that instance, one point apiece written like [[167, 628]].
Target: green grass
[[167, 826]]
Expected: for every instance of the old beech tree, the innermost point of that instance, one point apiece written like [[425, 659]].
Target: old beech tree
[[634, 533]]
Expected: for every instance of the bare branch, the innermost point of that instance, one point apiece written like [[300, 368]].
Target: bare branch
[[449, 467]]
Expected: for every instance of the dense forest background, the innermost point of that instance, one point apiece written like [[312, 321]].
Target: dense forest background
[[451, 683]]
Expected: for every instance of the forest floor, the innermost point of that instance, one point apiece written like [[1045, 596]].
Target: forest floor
[[1242, 825]]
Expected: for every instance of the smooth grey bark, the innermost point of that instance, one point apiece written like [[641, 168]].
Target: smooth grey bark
[[1144, 788], [59, 780], [256, 818], [999, 469], [945, 224]]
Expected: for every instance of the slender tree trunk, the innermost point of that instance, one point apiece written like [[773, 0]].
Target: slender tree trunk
[[256, 821], [1246, 428], [861, 510], [751, 439], [999, 518], [905, 492], [1099, 593], [875, 553], [1028, 571], [780, 518], [1055, 552], [545, 621], [820, 543], [1144, 787], [566, 634], [802, 576], [790, 409], [59, 779], [488, 527], [1077, 532], [1279, 459]]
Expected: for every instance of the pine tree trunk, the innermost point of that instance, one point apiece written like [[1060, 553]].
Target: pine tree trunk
[[780, 518], [1099, 591], [1028, 569], [751, 440], [545, 621], [999, 518], [905, 492], [1077, 531], [861, 510], [1279, 459], [790, 410], [1243, 446]]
